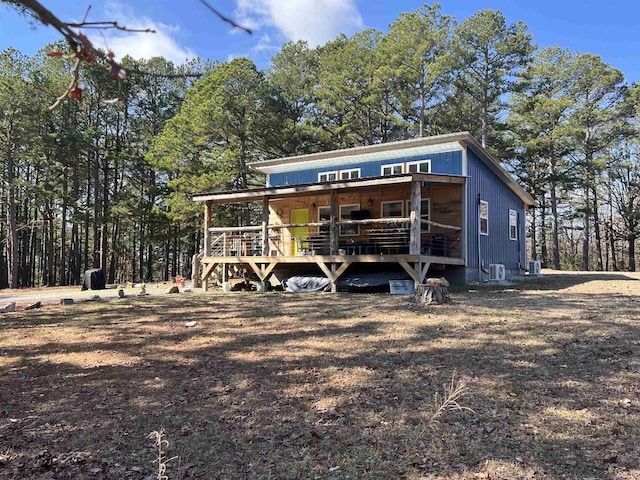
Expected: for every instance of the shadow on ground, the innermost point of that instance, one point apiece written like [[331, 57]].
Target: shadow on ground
[[326, 386]]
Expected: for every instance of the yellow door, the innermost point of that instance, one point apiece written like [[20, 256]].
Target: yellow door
[[299, 234]]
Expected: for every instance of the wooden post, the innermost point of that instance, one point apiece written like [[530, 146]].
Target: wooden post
[[265, 226], [415, 228], [195, 271], [207, 227], [333, 227], [334, 279], [207, 237]]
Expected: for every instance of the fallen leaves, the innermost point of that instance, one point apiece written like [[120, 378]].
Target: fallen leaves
[[251, 393]]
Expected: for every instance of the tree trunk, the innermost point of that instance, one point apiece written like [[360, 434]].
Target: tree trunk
[[149, 275], [50, 249], [422, 113], [554, 232], [141, 252], [87, 217], [113, 259], [96, 212], [12, 229], [33, 255], [612, 237], [4, 281], [427, 294], [587, 234], [134, 250], [534, 236], [167, 254], [596, 231], [175, 263], [612, 244], [63, 229], [544, 254], [632, 252], [75, 256]]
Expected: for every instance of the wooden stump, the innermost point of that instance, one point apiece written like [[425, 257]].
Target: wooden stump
[[434, 291]]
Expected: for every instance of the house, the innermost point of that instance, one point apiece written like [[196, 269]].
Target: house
[[439, 205]]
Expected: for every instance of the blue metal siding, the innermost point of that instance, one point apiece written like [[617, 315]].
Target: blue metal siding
[[495, 247], [447, 163]]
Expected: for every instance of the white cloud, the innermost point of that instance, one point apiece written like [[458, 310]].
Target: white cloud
[[138, 45], [316, 21], [265, 45]]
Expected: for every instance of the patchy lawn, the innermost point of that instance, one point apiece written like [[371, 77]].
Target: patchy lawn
[[323, 386]]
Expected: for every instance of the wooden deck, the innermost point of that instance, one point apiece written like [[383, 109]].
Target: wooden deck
[[412, 221], [333, 266]]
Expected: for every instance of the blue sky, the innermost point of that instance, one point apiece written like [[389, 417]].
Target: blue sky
[[185, 28]]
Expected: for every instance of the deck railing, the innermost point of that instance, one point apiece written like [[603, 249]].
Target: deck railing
[[377, 236]]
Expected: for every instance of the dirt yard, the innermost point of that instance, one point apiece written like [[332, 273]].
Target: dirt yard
[[545, 377]]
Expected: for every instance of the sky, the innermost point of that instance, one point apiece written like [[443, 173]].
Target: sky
[[185, 28]]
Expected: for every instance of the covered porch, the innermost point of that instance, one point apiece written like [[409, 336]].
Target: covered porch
[[413, 221]]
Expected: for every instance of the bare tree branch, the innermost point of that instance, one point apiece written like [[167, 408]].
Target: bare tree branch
[[72, 87], [84, 51], [105, 25], [225, 19]]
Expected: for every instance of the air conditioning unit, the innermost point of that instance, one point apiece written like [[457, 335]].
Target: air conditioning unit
[[534, 267], [497, 272]]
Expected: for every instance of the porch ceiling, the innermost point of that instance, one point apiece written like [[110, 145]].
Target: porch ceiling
[[288, 191]]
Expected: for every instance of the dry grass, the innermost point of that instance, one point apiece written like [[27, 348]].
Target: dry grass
[[284, 386]]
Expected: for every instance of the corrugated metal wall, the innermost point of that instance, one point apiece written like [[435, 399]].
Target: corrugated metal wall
[[495, 247], [448, 163]]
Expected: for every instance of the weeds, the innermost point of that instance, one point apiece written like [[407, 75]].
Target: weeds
[[161, 444], [455, 390]]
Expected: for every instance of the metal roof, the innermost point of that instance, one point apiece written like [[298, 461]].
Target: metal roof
[[405, 148]]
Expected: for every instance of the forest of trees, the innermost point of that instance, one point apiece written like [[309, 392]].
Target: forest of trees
[[107, 184]]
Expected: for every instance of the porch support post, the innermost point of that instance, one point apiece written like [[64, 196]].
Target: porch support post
[[225, 275], [416, 227], [415, 274], [333, 273], [333, 227], [262, 270], [207, 226], [206, 273], [334, 279], [425, 269], [265, 226]]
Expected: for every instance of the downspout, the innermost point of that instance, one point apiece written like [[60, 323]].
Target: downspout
[[520, 266], [479, 236], [481, 270]]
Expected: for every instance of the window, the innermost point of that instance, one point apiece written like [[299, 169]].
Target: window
[[345, 214], [324, 215], [484, 217], [423, 166], [392, 169], [392, 209], [350, 174], [327, 176], [425, 213], [513, 225]]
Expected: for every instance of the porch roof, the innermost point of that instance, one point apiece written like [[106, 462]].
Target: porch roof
[[257, 194]]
